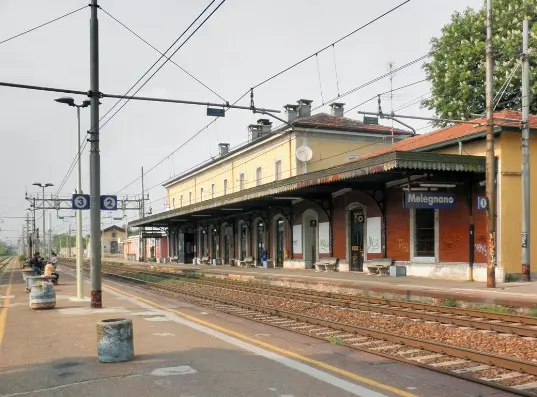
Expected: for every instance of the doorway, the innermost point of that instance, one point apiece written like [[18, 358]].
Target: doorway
[[214, 244], [189, 247], [244, 242], [114, 247], [357, 240], [227, 244], [310, 227], [280, 241], [260, 240]]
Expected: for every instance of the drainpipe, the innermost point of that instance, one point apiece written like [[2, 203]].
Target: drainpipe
[[460, 148], [471, 235]]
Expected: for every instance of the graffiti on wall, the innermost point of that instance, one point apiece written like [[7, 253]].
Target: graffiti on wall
[[402, 244], [481, 249]]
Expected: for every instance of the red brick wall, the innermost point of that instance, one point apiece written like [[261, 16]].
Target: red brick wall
[[397, 226], [453, 231]]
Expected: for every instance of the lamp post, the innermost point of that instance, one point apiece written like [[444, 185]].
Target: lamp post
[[43, 186], [80, 249]]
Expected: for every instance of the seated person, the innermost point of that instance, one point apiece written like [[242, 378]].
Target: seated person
[[37, 264], [50, 271]]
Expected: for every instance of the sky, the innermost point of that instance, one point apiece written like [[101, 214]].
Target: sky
[[241, 45]]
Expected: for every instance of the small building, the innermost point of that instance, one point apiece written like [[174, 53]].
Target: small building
[[110, 239], [155, 244], [415, 201]]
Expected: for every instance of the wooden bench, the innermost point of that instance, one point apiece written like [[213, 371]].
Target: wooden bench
[[205, 260], [248, 261], [327, 264], [379, 266]]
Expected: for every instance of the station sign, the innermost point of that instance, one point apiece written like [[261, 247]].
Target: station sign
[[216, 112], [482, 203], [433, 200], [109, 203], [80, 202]]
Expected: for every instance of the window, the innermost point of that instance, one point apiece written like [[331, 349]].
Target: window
[[225, 186], [242, 181], [181, 201], [201, 194], [173, 202], [278, 170], [424, 232], [189, 197], [212, 190], [258, 176]]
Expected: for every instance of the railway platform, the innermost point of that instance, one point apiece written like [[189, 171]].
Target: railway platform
[[513, 294], [188, 351]]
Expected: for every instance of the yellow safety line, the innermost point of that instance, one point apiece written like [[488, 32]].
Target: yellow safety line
[[268, 346], [3, 310]]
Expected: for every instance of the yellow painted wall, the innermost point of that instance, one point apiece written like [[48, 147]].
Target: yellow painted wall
[[263, 156], [511, 202], [507, 148], [331, 151]]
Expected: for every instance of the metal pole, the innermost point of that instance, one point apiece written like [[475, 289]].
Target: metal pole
[[69, 246], [49, 234], [526, 272], [490, 157], [95, 166], [79, 244], [140, 229], [44, 224]]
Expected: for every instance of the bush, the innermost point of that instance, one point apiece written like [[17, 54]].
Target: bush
[[22, 258]]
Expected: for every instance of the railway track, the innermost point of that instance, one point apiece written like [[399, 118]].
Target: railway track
[[501, 372], [505, 323]]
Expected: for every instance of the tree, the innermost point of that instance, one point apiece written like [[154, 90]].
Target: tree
[[457, 67]]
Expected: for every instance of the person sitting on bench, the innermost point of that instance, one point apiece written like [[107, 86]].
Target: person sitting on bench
[[51, 271], [37, 264]]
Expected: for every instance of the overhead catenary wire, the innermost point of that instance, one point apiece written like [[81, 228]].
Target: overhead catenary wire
[[167, 59], [42, 25], [161, 53], [73, 163]]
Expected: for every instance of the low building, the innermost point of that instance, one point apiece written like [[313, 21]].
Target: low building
[[110, 240], [415, 201]]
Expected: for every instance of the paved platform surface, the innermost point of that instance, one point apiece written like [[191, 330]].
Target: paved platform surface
[[514, 293], [186, 351]]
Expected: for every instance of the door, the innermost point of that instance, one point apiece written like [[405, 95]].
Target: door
[[260, 241], [227, 241], [310, 243], [189, 247], [357, 241], [280, 231], [214, 245], [243, 242], [114, 247]]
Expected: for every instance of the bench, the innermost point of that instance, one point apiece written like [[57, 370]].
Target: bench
[[205, 260], [327, 264], [247, 262], [32, 280], [379, 266]]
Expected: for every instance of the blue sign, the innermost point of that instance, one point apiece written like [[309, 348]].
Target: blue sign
[[482, 203], [80, 202], [216, 112], [109, 203], [436, 200]]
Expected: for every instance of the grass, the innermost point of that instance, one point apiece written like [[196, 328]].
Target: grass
[[335, 340], [532, 312], [510, 278], [449, 302], [493, 309]]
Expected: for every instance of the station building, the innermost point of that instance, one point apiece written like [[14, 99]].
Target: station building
[[331, 186]]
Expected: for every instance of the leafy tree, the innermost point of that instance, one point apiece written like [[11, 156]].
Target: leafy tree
[[457, 67]]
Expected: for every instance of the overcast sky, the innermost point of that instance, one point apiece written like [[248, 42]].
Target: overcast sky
[[243, 43]]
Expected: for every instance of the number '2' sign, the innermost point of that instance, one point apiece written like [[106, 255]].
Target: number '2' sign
[[109, 203]]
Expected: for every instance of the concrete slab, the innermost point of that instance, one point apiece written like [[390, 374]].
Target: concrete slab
[[190, 352]]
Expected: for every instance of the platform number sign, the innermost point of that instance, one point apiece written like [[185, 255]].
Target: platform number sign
[[80, 201], [109, 203], [482, 203]]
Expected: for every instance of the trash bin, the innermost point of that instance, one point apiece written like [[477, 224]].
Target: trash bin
[[115, 342]]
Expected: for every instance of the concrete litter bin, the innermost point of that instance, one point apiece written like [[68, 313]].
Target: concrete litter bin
[[115, 340]]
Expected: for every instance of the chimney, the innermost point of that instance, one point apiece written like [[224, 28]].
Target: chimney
[[255, 131], [291, 111], [304, 108], [223, 148], [266, 125], [338, 109]]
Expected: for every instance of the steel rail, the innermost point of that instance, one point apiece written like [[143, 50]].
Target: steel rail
[[429, 346]]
